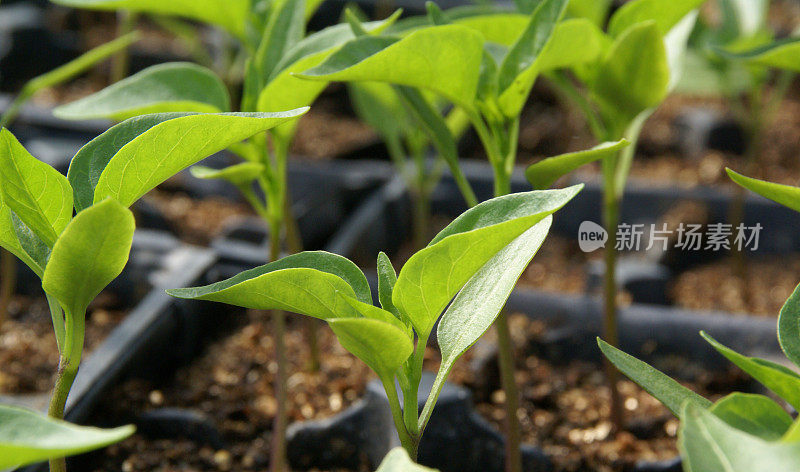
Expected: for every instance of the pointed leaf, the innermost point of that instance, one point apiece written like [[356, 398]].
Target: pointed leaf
[[432, 277], [544, 173], [634, 75], [517, 72], [169, 147], [387, 278], [786, 195], [789, 327], [91, 253], [444, 59], [229, 14], [666, 390], [397, 460], [27, 437], [477, 304], [781, 380], [709, 444], [594, 10], [306, 283], [665, 14], [170, 87], [38, 194], [243, 173], [382, 346], [754, 414], [286, 27]]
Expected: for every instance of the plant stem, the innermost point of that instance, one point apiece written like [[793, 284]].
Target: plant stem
[[67, 372], [279, 461], [421, 220], [126, 21], [505, 357], [406, 440], [610, 332], [8, 281]]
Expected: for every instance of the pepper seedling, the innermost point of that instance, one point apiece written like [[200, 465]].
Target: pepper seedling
[[740, 59], [640, 61], [741, 431], [467, 271], [76, 257], [483, 62]]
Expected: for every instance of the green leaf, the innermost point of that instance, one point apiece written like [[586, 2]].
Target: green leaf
[[306, 283], [576, 41], [91, 253], [286, 27], [749, 16], [285, 91], [229, 14], [27, 437], [173, 145], [781, 380], [500, 27], [444, 59], [240, 174], [374, 313], [477, 304], [378, 105], [786, 195], [517, 72], [665, 14], [387, 278], [634, 75], [38, 194], [381, 345], [171, 87], [432, 277], [397, 460], [783, 54], [709, 444], [754, 414], [9, 240], [666, 390], [789, 327], [545, 172], [595, 11]]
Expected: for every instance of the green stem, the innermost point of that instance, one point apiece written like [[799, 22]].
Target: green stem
[[610, 332], [279, 462], [14, 109], [506, 362], [406, 440], [126, 22], [572, 95]]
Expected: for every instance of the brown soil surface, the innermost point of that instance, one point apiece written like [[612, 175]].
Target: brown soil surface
[[233, 385], [717, 286], [28, 350], [325, 132], [197, 221]]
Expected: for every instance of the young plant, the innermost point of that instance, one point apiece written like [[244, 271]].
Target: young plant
[[740, 432], [27, 437], [8, 266], [639, 63], [467, 271], [485, 65], [76, 257], [271, 38], [397, 460], [741, 60]]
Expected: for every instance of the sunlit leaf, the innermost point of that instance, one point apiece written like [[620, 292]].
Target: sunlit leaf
[[171, 87], [382, 346], [544, 173]]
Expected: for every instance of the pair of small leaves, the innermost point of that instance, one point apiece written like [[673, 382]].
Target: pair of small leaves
[[27, 437], [480, 254], [229, 14]]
